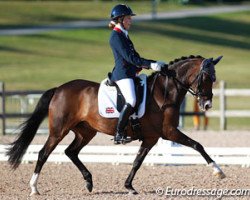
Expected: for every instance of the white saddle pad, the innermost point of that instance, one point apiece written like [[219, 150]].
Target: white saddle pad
[[107, 98]]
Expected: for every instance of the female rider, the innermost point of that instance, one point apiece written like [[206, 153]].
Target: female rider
[[127, 63]]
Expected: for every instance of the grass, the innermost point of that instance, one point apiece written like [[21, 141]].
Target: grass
[[30, 13], [208, 36], [40, 58], [23, 13], [53, 58], [46, 60]]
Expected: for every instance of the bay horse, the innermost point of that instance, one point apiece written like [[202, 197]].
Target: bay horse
[[73, 106]]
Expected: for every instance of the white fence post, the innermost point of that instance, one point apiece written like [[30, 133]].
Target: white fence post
[[223, 123], [2, 90], [24, 104], [154, 9]]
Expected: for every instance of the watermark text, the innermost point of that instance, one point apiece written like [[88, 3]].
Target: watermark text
[[215, 192]]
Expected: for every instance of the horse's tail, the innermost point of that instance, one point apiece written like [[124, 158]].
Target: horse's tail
[[28, 129]]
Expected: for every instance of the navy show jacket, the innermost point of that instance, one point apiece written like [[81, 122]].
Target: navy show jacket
[[127, 61]]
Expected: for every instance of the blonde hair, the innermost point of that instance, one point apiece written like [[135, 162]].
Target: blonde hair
[[112, 24]]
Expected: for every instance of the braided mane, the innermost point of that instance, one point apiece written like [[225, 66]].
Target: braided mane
[[175, 62], [183, 58]]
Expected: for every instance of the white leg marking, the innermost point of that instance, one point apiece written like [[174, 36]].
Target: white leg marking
[[33, 184], [217, 171]]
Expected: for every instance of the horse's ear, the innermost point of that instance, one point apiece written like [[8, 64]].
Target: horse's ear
[[217, 60]]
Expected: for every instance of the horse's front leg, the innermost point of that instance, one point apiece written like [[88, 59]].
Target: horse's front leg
[[142, 153], [176, 135]]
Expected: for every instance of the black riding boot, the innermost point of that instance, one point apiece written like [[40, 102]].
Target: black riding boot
[[120, 136]]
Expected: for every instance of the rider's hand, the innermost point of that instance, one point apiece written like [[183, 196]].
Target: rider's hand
[[157, 65]]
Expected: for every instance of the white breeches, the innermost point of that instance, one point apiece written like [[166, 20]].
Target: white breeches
[[127, 88]]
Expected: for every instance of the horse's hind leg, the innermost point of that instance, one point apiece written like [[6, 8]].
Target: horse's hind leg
[[83, 135], [181, 138], [43, 155]]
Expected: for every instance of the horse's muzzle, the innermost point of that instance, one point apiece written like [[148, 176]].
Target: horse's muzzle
[[205, 105]]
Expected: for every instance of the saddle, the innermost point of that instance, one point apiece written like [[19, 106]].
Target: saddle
[[111, 100], [120, 102]]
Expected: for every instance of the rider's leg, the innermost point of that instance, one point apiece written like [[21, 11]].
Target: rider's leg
[[128, 90], [120, 135]]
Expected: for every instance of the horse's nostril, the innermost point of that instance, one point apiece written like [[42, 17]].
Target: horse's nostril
[[208, 105]]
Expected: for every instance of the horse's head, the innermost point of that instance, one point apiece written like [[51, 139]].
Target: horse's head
[[200, 81], [194, 74]]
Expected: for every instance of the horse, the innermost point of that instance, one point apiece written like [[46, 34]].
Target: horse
[[73, 106]]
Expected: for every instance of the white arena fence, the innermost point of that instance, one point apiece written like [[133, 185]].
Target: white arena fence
[[163, 153]]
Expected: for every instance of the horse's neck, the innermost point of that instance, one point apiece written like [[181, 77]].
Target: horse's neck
[[168, 91], [165, 91], [188, 71]]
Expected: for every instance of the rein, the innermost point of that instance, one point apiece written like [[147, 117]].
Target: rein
[[165, 86], [189, 89]]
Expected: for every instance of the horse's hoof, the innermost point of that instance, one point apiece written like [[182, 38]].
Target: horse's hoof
[[34, 193], [132, 192], [220, 175], [89, 186]]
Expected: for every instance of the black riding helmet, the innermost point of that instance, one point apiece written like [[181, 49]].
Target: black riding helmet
[[121, 10]]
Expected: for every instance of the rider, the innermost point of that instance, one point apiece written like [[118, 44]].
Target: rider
[[127, 63]]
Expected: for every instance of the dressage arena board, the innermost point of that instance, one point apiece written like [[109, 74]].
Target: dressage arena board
[[226, 148], [162, 153]]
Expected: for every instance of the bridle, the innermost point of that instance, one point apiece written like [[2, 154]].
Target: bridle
[[199, 77], [206, 67]]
